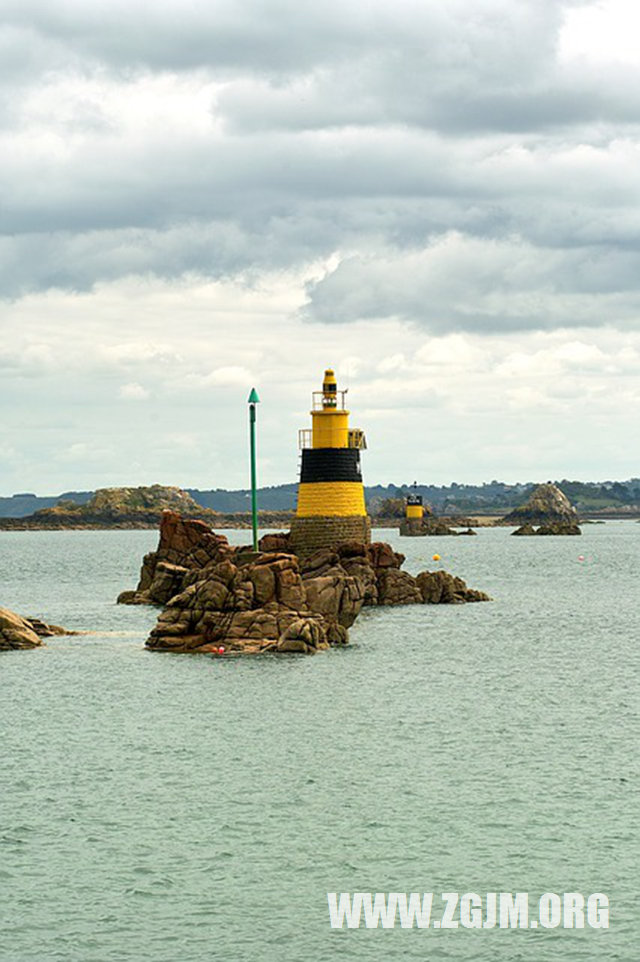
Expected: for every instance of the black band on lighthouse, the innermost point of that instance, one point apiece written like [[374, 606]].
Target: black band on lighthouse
[[330, 464]]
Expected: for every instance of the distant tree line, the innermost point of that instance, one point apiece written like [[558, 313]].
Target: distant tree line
[[382, 500]]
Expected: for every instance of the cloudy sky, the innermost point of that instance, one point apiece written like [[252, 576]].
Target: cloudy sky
[[439, 198]]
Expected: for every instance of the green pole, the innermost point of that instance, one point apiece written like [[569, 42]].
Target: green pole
[[253, 400]]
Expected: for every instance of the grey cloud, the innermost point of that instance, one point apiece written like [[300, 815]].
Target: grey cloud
[[277, 37], [364, 131], [445, 66], [466, 284], [26, 53], [107, 183], [286, 35], [77, 261]]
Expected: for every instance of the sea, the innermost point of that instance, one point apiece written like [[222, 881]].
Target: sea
[[177, 808]]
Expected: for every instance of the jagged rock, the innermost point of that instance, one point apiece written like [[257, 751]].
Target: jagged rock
[[353, 549], [275, 542], [557, 528], [319, 562], [359, 567], [442, 588], [397, 587], [546, 506], [412, 528], [305, 635], [368, 564], [253, 608], [167, 582], [525, 529], [43, 630], [338, 597], [428, 527], [18, 632], [382, 555], [264, 584], [129, 597], [293, 645], [185, 544]]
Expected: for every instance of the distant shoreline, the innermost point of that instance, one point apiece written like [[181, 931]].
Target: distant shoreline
[[271, 521], [240, 521]]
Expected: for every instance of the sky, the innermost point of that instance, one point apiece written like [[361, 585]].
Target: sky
[[439, 199]]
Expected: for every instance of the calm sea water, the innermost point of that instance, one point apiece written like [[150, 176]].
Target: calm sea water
[[186, 809]]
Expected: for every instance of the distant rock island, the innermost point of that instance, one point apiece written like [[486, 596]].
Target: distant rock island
[[224, 599], [429, 526], [548, 508], [140, 507]]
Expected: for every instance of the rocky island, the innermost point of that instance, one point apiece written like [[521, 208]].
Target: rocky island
[[549, 509], [139, 507], [430, 526], [17, 632], [415, 519], [224, 599]]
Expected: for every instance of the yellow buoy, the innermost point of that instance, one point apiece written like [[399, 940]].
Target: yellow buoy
[[436, 557]]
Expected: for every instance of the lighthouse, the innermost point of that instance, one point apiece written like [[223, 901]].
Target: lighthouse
[[331, 506], [413, 522], [414, 510]]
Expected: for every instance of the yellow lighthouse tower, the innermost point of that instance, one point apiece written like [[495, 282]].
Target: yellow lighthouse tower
[[414, 510], [331, 505], [413, 522]]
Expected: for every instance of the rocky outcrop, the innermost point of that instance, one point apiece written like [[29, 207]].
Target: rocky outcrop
[[546, 506], [43, 630], [18, 632], [365, 573], [556, 528], [358, 560], [429, 526], [335, 595], [184, 545], [525, 529], [224, 599], [412, 528], [442, 588], [140, 507], [559, 527], [275, 542], [252, 608], [397, 587], [119, 508]]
